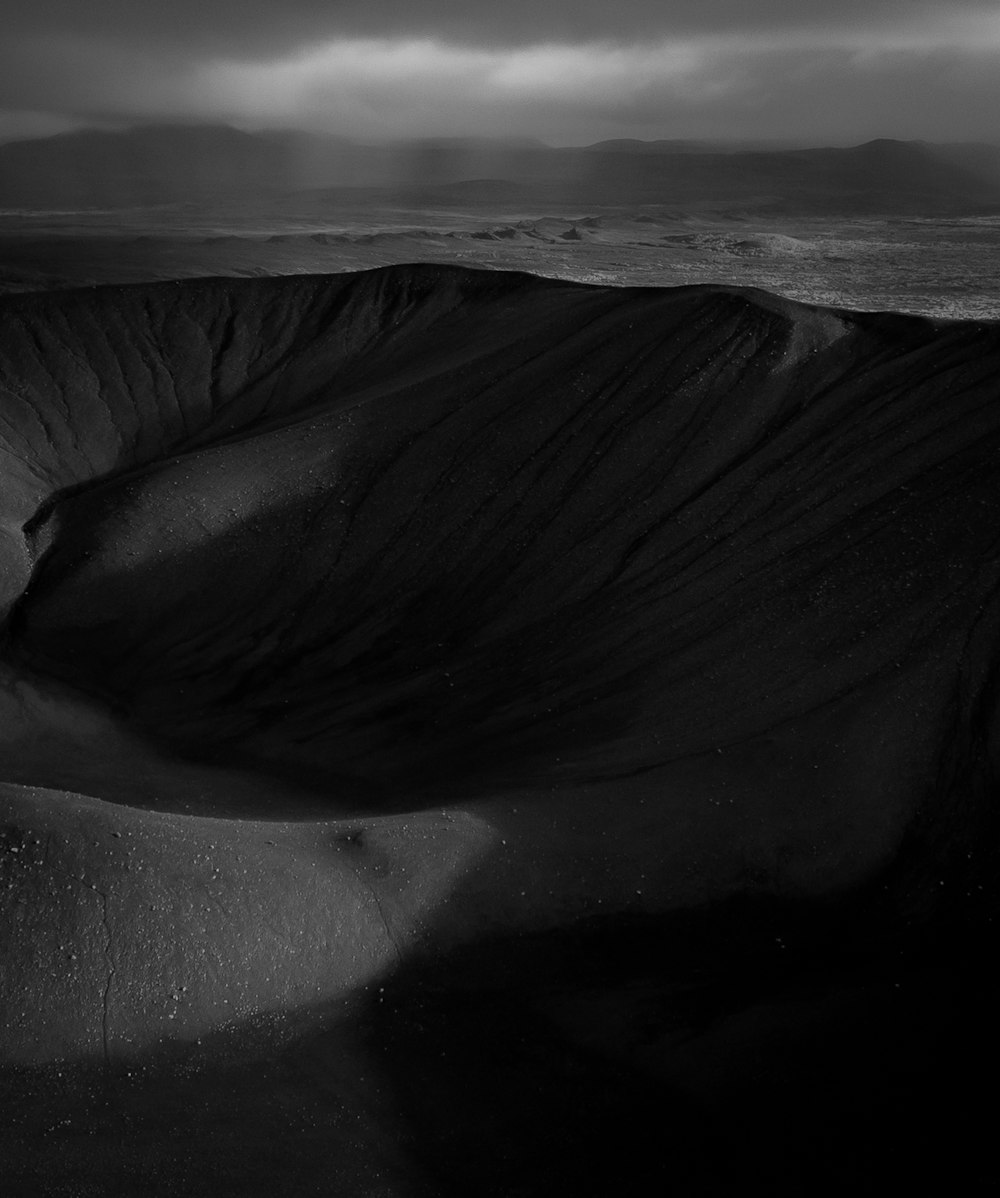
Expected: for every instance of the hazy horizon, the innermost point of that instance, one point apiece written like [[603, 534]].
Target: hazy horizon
[[570, 72], [39, 130]]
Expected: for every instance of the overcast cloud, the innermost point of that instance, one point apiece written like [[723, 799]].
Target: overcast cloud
[[566, 71]]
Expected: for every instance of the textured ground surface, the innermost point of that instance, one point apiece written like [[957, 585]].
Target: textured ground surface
[[435, 697], [932, 266]]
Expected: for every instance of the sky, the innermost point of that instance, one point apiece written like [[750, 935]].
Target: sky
[[565, 71]]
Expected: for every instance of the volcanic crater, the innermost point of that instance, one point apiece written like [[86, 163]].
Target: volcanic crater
[[361, 620]]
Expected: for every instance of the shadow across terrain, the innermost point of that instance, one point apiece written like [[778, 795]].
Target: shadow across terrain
[[750, 1046]]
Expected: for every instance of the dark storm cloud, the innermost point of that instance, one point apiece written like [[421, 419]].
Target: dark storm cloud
[[240, 26], [563, 70]]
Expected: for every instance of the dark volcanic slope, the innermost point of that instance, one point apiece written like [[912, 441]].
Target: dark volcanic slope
[[637, 651], [422, 526]]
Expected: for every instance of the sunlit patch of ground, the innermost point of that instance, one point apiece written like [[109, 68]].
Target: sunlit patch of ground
[[939, 267]]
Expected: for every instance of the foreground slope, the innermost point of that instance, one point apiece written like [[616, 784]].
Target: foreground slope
[[553, 605]]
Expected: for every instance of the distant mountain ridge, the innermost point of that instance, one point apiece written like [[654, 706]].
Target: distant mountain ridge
[[155, 164], [681, 145]]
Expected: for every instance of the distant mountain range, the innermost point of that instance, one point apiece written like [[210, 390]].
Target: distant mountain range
[[173, 163]]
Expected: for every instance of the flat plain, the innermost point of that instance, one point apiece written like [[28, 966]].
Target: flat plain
[[940, 266]]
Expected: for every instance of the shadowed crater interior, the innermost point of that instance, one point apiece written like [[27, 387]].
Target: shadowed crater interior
[[423, 526]]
